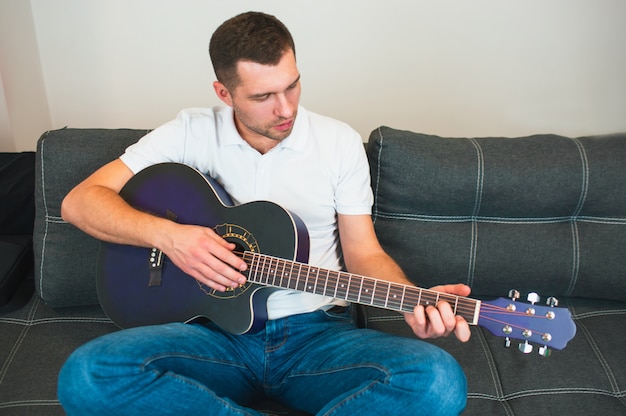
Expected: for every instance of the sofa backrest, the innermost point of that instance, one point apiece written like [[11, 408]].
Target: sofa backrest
[[543, 213], [65, 257]]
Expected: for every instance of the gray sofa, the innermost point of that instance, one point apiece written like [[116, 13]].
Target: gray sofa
[[543, 213]]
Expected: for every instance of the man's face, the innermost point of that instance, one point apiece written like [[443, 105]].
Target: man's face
[[265, 101]]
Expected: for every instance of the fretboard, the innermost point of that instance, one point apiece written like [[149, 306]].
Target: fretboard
[[288, 274]]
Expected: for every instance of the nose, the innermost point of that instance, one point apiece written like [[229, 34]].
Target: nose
[[284, 107]]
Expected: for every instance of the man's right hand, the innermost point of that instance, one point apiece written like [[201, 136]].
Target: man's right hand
[[205, 256]]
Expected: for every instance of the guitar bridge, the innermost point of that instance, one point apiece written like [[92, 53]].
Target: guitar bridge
[[156, 257], [156, 267]]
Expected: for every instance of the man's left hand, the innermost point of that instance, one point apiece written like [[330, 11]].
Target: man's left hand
[[437, 321]]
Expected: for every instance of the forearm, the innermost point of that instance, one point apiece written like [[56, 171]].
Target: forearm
[[103, 214], [378, 265]]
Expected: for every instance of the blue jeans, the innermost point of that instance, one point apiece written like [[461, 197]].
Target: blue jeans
[[317, 362]]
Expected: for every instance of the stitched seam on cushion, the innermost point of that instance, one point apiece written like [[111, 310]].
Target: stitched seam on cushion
[[499, 220], [54, 219], [497, 383], [46, 321], [45, 206], [380, 152], [599, 313], [596, 350], [547, 392], [480, 176], [24, 403], [585, 180], [18, 343], [581, 202], [575, 258]]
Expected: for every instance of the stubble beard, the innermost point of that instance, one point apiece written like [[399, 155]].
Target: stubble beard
[[265, 131]]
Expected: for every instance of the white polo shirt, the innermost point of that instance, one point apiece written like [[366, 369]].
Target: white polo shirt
[[318, 171]]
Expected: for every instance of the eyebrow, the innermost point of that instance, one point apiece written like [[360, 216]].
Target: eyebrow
[[262, 94]]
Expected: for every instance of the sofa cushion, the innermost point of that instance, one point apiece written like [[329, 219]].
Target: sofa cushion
[[543, 213], [65, 257]]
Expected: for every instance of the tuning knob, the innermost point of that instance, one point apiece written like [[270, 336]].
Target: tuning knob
[[514, 294], [552, 302], [533, 298], [525, 347], [544, 351]]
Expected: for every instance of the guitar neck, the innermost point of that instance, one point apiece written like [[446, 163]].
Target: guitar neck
[[288, 274]]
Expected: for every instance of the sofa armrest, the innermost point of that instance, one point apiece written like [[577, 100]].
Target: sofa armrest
[[65, 257]]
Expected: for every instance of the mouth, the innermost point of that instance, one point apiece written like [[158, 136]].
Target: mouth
[[287, 125]]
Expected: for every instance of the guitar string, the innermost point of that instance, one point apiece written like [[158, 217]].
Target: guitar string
[[514, 326], [462, 305], [342, 282]]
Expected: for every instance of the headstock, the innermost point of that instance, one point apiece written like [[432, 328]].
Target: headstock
[[547, 326]]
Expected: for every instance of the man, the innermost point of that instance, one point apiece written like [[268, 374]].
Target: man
[[309, 356]]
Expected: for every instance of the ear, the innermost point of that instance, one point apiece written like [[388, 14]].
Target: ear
[[222, 93]]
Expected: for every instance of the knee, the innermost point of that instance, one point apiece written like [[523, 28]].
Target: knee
[[448, 385], [76, 389], [435, 382]]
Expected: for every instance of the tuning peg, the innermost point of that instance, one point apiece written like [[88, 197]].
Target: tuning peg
[[533, 298], [514, 294], [544, 351], [525, 347], [552, 302], [507, 342]]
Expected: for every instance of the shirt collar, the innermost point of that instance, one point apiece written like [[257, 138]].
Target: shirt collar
[[229, 136]]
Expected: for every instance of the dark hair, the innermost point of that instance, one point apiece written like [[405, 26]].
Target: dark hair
[[251, 36]]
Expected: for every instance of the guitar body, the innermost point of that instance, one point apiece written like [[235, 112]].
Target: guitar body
[[140, 286]]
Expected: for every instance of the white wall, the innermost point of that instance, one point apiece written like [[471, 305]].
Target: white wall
[[24, 112], [448, 67]]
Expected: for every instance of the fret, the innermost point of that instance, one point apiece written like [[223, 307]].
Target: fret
[[351, 296], [316, 290], [388, 293], [252, 269], [371, 292], [325, 284], [263, 273], [358, 298], [291, 283], [395, 298], [300, 285], [342, 286], [307, 273], [309, 287], [267, 270], [282, 273], [317, 275], [274, 264], [335, 279]]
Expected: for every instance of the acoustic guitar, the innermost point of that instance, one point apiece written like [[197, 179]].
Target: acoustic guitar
[[140, 286]]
